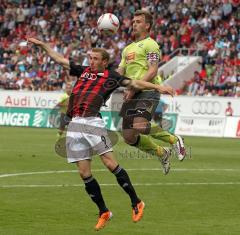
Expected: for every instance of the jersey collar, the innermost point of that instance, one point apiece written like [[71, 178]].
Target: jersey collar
[[147, 36]]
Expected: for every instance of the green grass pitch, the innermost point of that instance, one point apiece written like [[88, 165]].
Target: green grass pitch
[[199, 196]]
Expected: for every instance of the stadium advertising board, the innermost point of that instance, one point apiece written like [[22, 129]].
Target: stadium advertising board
[[184, 105], [48, 118], [232, 128], [28, 99], [200, 126], [112, 120], [188, 106], [29, 117], [201, 106], [169, 122]]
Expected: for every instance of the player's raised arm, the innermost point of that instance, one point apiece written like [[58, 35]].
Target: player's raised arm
[[142, 85], [57, 57]]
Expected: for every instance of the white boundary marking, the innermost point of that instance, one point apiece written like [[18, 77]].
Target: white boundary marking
[[100, 170], [103, 170], [136, 184]]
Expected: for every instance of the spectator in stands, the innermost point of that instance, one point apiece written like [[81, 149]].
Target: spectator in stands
[[194, 85], [229, 110]]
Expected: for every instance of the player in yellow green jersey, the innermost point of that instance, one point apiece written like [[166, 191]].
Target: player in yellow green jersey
[[63, 104], [140, 61]]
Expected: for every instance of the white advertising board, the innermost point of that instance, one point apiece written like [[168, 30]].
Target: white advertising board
[[183, 105], [232, 128], [188, 105], [200, 126], [201, 106], [29, 99]]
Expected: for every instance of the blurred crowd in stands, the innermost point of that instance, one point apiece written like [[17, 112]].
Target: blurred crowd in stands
[[209, 28]]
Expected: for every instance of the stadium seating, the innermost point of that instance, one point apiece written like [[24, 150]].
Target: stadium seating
[[209, 27]]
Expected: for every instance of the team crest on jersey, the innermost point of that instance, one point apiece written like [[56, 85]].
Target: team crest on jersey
[[130, 57]]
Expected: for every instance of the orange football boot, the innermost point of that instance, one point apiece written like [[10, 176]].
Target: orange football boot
[[137, 211], [103, 219]]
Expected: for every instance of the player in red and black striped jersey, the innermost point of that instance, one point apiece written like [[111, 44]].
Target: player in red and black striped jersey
[[86, 130], [92, 88]]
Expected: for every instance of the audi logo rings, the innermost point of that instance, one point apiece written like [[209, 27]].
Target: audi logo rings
[[206, 107]]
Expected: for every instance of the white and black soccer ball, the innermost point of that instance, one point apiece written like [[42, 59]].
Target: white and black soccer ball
[[108, 24]]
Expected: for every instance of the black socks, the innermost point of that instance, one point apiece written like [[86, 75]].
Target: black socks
[[125, 182], [93, 189]]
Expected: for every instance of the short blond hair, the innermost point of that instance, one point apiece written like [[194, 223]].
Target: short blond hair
[[103, 52], [147, 15]]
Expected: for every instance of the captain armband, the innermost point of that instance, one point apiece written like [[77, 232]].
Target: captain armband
[[153, 57]]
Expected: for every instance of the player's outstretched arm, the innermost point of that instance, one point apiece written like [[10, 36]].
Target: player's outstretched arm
[[53, 54], [120, 70], [142, 85]]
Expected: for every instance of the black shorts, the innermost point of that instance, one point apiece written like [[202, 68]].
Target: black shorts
[[143, 104]]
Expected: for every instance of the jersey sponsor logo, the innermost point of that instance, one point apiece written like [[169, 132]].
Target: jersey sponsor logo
[[130, 57], [206, 107], [152, 56], [88, 76]]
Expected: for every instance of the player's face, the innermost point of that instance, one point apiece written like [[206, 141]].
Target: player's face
[[139, 25], [96, 62]]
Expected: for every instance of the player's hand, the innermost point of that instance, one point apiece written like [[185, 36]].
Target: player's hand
[[35, 41], [128, 94], [166, 90]]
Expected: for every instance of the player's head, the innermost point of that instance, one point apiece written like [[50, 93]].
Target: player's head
[[142, 22], [98, 59]]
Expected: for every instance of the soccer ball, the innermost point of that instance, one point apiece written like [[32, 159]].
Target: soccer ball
[[108, 24]]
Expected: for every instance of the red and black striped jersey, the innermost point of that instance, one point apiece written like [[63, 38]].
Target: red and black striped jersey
[[91, 90]]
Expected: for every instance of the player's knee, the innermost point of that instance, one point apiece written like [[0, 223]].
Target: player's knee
[[84, 173], [142, 127], [129, 138], [129, 141], [110, 163]]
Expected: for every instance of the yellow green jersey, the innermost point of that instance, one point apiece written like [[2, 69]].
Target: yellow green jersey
[[137, 56], [64, 101]]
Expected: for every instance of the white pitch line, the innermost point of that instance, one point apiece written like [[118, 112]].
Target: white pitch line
[[100, 170], [36, 173], [136, 184]]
